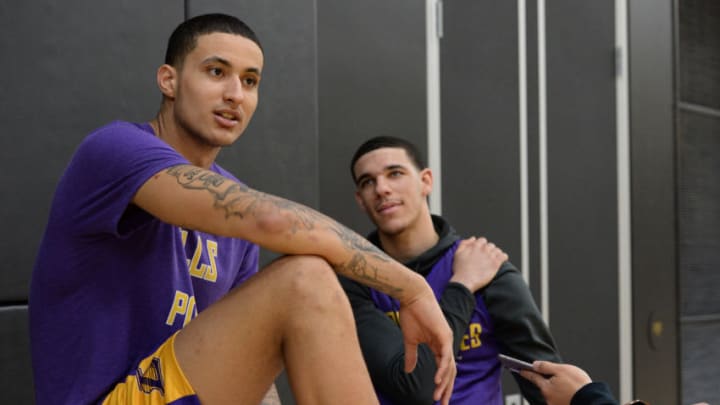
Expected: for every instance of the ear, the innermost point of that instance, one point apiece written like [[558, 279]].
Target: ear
[[167, 80], [426, 178], [360, 202]]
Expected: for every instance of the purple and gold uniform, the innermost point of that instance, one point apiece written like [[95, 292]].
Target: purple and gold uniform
[[145, 279], [501, 317], [478, 367]]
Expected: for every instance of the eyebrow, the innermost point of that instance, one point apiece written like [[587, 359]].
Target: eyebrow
[[225, 62], [385, 169]]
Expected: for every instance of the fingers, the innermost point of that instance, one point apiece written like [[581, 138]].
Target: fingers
[[445, 400], [483, 244], [444, 378], [546, 367], [532, 376], [410, 357], [465, 243]]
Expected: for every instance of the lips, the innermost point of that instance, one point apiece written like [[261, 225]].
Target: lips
[[227, 118], [386, 206]]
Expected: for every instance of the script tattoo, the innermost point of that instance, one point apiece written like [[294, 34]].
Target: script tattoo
[[239, 200]]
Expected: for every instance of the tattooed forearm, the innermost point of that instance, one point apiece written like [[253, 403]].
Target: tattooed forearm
[[358, 264], [353, 241], [368, 275]]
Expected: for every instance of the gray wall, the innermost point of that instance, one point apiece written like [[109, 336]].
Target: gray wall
[[654, 254], [698, 196]]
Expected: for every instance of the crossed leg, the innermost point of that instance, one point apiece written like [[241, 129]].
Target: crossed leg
[[292, 313]]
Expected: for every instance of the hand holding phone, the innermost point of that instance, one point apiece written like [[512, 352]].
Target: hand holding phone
[[513, 364]]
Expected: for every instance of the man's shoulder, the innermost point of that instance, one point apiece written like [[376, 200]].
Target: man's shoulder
[[118, 131], [507, 277]]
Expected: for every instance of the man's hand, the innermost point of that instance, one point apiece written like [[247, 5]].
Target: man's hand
[[422, 321], [476, 263], [557, 382]]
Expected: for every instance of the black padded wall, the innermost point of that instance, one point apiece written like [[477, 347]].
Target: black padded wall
[[68, 68]]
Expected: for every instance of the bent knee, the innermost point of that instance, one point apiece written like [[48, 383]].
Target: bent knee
[[311, 281]]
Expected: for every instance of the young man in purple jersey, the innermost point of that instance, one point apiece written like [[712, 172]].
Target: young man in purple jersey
[[392, 186], [146, 290]]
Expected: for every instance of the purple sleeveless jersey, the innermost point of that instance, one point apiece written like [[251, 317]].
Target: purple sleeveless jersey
[[478, 367], [111, 282]]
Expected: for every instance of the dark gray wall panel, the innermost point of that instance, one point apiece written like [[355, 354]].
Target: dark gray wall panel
[[699, 41], [582, 185], [700, 363], [699, 213], [278, 151], [480, 129], [371, 60], [654, 254], [69, 67], [15, 372], [480, 141]]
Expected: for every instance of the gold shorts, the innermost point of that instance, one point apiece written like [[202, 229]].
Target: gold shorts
[[157, 380]]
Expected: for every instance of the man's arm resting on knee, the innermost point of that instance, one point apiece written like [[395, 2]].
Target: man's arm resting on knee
[[195, 198]]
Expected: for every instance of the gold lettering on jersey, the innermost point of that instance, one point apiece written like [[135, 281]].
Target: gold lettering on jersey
[[211, 273], [183, 236], [197, 269], [183, 305], [471, 340], [394, 315]]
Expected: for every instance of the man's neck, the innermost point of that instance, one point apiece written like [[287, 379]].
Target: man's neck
[[167, 129], [411, 242]]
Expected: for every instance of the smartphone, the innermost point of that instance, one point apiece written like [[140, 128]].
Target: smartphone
[[513, 364]]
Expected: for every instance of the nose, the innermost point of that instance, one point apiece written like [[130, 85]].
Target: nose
[[234, 92], [381, 186]]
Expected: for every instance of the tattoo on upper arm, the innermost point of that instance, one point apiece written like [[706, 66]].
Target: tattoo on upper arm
[[237, 199], [195, 178]]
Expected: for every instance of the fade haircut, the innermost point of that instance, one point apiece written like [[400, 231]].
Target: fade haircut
[[184, 38], [385, 141]]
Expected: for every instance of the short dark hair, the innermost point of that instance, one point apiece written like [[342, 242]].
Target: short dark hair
[[386, 141], [184, 38]]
